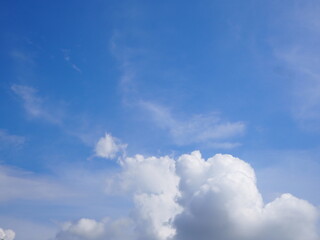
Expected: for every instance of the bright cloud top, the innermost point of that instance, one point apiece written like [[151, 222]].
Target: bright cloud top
[[109, 146], [7, 234], [193, 198]]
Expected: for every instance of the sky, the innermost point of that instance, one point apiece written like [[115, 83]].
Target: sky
[[159, 120]]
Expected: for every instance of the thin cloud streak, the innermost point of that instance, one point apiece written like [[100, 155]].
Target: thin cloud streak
[[34, 105], [209, 129]]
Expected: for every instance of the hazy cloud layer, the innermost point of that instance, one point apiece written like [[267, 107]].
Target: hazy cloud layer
[[17, 184], [193, 198]]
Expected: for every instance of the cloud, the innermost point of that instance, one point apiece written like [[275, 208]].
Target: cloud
[[153, 184], [202, 128], [28, 229], [208, 128], [9, 139], [109, 147], [99, 230], [55, 113], [193, 198], [34, 105], [7, 234], [221, 201]]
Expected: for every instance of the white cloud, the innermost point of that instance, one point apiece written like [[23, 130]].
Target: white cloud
[[221, 201], [154, 186], [197, 128], [89, 229], [7, 234], [193, 198], [109, 147], [9, 139]]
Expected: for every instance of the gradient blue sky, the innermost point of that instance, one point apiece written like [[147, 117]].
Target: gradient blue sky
[[164, 77]]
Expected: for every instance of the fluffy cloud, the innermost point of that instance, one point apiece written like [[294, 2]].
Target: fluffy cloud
[[7, 234], [109, 147], [221, 201], [193, 198]]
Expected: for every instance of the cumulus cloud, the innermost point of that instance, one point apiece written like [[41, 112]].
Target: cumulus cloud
[[196, 129], [7, 234], [154, 186], [221, 201], [109, 146], [192, 198]]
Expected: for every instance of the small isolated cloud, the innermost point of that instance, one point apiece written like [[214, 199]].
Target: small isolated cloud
[[7, 139], [197, 128], [34, 105], [109, 146], [7, 234], [192, 198]]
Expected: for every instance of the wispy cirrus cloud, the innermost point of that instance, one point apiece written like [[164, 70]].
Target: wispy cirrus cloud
[[298, 50], [203, 128], [35, 105], [206, 129], [40, 107]]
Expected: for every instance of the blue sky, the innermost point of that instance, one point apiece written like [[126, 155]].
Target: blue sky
[[162, 78]]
